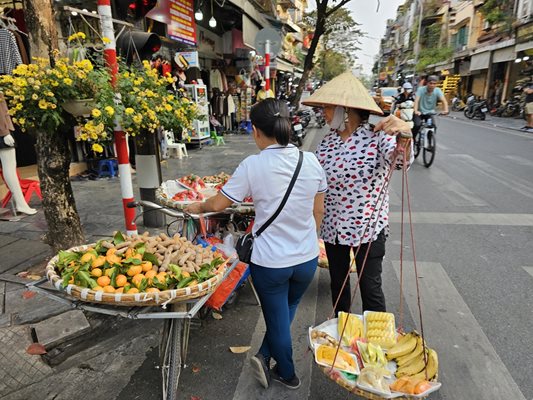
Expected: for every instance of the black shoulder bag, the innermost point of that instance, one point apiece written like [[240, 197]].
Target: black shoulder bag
[[245, 243]]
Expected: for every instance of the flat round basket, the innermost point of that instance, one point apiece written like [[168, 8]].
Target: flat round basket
[[137, 299], [358, 391], [164, 198]]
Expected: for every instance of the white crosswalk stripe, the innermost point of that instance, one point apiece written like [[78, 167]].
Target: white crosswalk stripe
[[466, 355]]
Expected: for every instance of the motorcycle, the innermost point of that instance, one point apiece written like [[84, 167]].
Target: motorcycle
[[405, 111], [476, 108], [319, 117], [458, 104], [513, 107], [305, 117], [297, 134]]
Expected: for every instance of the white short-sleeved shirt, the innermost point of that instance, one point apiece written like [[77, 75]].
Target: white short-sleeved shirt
[[291, 239]]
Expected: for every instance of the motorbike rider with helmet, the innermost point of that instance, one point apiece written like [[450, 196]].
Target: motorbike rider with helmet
[[404, 103]]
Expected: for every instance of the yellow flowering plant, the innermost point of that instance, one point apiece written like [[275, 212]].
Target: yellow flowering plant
[[36, 93], [148, 104]]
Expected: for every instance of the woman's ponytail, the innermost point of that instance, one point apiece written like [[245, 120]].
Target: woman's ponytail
[[271, 116]]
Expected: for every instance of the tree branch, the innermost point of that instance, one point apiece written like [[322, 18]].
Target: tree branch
[[333, 9]]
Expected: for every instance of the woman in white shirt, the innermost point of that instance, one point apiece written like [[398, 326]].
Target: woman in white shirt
[[285, 255], [357, 158]]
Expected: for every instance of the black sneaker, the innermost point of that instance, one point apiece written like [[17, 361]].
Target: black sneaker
[[260, 369], [293, 383]]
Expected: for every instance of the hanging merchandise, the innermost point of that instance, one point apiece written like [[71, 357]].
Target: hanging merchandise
[[9, 51]]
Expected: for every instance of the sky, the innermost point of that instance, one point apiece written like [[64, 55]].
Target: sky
[[372, 22]]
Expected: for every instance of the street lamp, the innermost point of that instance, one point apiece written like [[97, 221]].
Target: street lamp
[[212, 21]]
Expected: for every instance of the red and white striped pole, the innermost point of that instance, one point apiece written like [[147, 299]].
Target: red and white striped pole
[[267, 65], [110, 56]]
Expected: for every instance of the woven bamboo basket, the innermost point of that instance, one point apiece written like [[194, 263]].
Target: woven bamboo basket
[[137, 299], [165, 200], [364, 393]]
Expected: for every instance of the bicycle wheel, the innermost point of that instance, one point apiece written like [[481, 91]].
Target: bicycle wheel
[[416, 145], [428, 152], [170, 356]]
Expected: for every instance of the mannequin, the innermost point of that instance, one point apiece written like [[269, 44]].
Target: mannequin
[[9, 160]]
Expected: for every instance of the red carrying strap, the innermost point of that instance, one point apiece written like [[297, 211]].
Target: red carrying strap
[[405, 193]]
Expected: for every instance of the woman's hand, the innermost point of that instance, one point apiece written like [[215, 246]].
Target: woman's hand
[[194, 208], [392, 125]]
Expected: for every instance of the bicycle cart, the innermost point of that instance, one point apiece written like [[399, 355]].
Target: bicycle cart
[[177, 306]]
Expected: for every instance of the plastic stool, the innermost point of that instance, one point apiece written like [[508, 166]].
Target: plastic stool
[[217, 139], [107, 167], [28, 186], [181, 150]]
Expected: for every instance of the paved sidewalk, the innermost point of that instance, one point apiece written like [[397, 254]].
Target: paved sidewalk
[[497, 122], [23, 257]]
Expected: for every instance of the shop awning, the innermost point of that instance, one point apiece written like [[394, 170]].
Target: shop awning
[[282, 65], [480, 61], [249, 32], [251, 12], [504, 55]]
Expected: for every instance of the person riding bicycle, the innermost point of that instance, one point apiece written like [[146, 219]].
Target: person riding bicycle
[[426, 101]]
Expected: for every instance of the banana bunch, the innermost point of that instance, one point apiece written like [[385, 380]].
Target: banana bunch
[[353, 329], [380, 328], [411, 359]]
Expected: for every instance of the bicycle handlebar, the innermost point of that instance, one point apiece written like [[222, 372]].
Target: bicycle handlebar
[[167, 211]]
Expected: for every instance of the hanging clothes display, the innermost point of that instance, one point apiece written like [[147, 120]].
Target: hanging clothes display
[[215, 79], [23, 44], [9, 52]]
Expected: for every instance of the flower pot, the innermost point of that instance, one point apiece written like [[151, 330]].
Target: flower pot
[[79, 108]]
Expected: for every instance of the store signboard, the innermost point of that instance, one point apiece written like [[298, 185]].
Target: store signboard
[[191, 57], [178, 15], [182, 26]]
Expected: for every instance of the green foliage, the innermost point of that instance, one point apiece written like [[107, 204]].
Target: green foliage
[[498, 13], [333, 64], [433, 55], [341, 32], [495, 11]]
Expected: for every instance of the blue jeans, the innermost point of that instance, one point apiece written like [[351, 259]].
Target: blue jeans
[[280, 291]]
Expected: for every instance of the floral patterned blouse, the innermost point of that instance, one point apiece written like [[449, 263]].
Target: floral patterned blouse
[[356, 170]]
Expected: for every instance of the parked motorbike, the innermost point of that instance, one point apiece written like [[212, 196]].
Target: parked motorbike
[[297, 134], [476, 108], [513, 107], [458, 104], [319, 117], [305, 116]]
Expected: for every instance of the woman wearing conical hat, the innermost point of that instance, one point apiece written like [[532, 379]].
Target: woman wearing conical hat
[[356, 157]]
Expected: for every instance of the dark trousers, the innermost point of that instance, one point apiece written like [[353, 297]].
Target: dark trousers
[[370, 285], [417, 123], [280, 291]]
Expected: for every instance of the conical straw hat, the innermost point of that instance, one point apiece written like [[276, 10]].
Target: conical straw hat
[[344, 90]]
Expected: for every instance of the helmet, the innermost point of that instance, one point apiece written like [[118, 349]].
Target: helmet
[[407, 86]]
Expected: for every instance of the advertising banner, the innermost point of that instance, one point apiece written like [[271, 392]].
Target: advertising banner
[[178, 15]]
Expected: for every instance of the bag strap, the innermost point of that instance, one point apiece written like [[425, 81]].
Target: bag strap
[[287, 193]]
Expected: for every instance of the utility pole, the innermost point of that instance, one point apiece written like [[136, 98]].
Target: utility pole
[[417, 48], [110, 56]]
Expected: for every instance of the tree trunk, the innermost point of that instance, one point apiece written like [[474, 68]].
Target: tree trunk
[[40, 19], [53, 154], [308, 63], [53, 162]]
